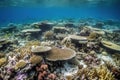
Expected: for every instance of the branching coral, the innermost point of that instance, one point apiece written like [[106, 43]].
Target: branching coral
[[100, 73], [24, 51], [104, 73], [114, 69]]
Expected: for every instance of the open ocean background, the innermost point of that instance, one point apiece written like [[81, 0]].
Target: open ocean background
[[26, 14]]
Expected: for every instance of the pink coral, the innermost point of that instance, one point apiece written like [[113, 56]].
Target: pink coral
[[52, 76], [44, 67]]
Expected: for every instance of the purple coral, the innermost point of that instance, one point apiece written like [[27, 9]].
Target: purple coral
[[21, 76]]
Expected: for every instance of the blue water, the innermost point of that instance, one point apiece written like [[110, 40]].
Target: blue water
[[17, 14]]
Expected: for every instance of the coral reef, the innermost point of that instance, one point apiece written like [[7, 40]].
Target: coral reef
[[49, 35], [57, 54], [60, 29], [35, 59], [20, 64], [43, 73], [100, 73], [40, 49], [2, 61], [60, 50], [110, 45]]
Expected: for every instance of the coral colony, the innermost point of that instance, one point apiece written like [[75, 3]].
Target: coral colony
[[60, 50]]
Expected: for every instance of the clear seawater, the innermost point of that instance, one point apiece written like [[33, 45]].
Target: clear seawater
[[24, 11]]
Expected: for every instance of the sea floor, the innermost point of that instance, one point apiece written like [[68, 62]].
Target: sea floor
[[85, 49]]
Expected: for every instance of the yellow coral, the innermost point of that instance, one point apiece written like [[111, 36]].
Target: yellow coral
[[26, 50], [23, 51], [33, 43], [35, 59], [2, 61], [110, 45], [104, 73], [100, 73], [20, 64]]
